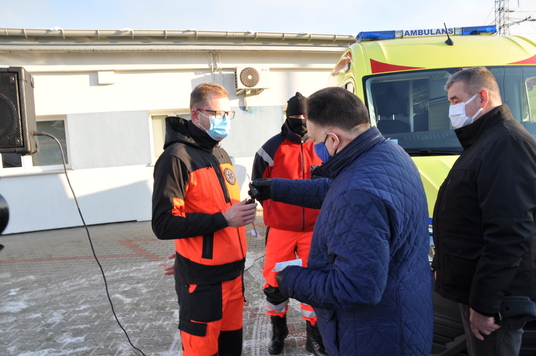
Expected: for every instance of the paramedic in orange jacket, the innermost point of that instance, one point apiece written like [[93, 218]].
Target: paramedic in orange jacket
[[290, 228], [196, 202]]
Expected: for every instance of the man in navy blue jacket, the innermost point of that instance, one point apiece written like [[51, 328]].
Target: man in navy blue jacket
[[368, 277]]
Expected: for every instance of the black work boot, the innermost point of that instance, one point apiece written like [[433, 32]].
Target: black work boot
[[279, 333], [314, 340]]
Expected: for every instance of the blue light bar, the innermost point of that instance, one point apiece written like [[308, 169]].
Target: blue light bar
[[477, 30], [375, 35], [460, 31]]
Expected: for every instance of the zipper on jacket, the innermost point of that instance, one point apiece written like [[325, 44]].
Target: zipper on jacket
[[217, 169], [225, 191], [303, 177], [227, 200], [442, 198]]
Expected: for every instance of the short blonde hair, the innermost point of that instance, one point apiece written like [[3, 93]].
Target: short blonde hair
[[199, 95]]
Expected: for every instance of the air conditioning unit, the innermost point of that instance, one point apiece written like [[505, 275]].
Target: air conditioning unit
[[251, 80]]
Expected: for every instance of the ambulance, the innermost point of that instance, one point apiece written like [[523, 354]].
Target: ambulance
[[401, 77]]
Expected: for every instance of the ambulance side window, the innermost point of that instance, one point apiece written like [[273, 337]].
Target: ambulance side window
[[517, 85], [412, 108], [438, 105], [391, 106], [420, 99]]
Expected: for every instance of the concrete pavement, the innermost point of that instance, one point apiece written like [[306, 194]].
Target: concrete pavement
[[54, 302]]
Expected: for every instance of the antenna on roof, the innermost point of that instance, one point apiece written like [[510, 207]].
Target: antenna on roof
[[448, 41]]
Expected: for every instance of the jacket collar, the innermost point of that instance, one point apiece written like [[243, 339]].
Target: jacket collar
[[287, 132], [469, 134], [184, 131], [359, 145]]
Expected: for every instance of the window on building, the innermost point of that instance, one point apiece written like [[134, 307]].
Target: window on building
[[48, 156], [159, 130]]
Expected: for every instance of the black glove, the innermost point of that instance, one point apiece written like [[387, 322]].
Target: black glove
[[260, 189], [279, 278]]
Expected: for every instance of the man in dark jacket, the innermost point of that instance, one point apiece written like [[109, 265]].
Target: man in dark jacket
[[368, 277], [196, 202], [287, 155], [484, 225]]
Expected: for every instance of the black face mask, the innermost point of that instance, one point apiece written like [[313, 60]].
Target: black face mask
[[297, 126]]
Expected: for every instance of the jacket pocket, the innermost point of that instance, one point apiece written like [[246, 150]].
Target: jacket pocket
[[461, 257], [201, 302], [192, 328], [461, 247], [328, 323], [325, 314], [208, 246]]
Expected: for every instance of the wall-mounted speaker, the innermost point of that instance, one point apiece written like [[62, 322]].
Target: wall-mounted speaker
[[17, 111]]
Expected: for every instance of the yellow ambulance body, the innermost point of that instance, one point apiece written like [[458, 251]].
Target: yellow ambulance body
[[400, 75]]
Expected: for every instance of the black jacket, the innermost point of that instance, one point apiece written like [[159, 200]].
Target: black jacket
[[194, 183], [484, 217]]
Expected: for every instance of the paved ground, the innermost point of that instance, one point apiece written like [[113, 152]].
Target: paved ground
[[54, 302]]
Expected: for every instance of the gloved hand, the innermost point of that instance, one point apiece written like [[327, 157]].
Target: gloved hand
[[260, 189], [279, 278]]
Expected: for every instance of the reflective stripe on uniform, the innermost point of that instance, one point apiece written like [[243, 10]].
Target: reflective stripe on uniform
[[276, 309]]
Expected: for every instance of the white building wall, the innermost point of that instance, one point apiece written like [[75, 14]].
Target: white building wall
[[109, 130]]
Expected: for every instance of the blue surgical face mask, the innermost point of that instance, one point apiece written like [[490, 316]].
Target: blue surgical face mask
[[322, 151], [219, 127]]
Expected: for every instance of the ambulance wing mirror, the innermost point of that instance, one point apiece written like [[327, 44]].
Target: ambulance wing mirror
[[531, 97]]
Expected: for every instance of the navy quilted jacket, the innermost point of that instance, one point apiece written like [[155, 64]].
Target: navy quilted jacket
[[368, 279]]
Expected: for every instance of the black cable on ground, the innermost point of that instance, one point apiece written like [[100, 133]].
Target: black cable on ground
[[88, 235]]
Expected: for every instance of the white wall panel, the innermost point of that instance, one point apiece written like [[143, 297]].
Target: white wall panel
[[42, 202], [109, 128]]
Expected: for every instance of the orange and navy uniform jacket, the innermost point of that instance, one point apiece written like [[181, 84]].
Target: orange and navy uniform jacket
[[194, 184], [287, 156]]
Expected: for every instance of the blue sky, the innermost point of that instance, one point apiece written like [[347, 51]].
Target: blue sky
[[312, 16]]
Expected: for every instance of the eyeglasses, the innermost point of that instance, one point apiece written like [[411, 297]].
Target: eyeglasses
[[219, 114]]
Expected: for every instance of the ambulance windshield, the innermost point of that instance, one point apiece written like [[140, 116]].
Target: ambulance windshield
[[412, 108]]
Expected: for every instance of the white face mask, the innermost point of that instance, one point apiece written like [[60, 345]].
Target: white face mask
[[457, 114]]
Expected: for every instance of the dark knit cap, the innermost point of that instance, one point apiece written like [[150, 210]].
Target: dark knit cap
[[297, 105]]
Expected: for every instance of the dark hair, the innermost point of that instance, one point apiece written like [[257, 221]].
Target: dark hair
[[201, 92], [334, 106], [475, 79]]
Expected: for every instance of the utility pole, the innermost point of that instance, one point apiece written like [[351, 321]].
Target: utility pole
[[502, 17]]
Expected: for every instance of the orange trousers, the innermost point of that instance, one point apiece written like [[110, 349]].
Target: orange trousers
[[211, 318], [283, 245]]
